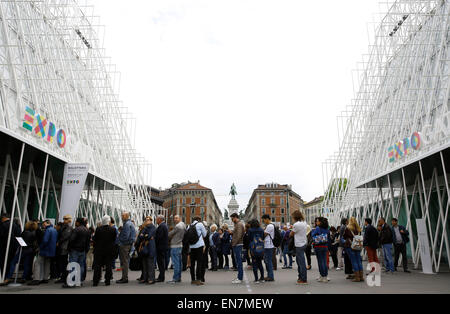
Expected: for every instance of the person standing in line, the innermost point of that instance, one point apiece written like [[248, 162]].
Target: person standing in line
[[237, 243], [196, 252], [146, 249], [13, 244], [213, 241], [334, 237], [162, 244], [300, 242], [115, 254], [285, 248], [308, 251], [226, 246], [79, 244], [321, 236], [400, 237], [246, 248], [351, 231], [256, 248], [205, 252], [62, 247], [218, 243], [103, 243], [386, 238], [126, 239], [370, 242], [341, 248], [176, 246], [269, 248]]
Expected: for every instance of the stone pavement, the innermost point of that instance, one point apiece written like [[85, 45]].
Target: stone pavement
[[285, 282]]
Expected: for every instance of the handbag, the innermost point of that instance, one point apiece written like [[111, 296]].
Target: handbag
[[357, 243]]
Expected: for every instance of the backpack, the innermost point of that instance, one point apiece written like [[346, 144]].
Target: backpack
[[191, 236], [357, 243], [257, 246], [321, 238], [277, 239]]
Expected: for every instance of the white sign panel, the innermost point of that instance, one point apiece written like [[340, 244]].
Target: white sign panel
[[73, 182], [21, 241], [425, 256]]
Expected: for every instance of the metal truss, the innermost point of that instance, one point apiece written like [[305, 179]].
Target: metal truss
[[403, 88], [52, 60]]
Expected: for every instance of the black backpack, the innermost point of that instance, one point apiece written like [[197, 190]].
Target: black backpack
[[277, 237], [191, 236]]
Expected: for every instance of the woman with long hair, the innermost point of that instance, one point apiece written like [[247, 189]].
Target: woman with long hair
[[350, 232]]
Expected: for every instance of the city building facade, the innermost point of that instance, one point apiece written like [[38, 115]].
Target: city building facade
[[313, 209], [191, 199], [276, 200]]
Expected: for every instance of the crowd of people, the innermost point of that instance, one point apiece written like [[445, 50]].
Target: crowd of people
[[153, 246]]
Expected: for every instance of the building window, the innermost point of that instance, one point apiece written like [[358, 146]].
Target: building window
[[262, 193], [282, 211], [184, 201], [193, 210], [282, 220], [184, 210], [202, 210], [272, 201], [202, 201], [282, 201], [273, 211], [263, 201], [263, 211], [273, 219]]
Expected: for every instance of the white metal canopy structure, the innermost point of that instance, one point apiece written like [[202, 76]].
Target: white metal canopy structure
[[393, 158], [58, 105]]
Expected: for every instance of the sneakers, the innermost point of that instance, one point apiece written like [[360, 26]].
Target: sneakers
[[236, 281], [301, 282], [338, 268], [173, 281]]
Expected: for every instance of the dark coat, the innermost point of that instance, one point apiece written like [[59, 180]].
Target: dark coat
[[371, 237], [80, 239], [147, 234], [405, 235], [385, 235], [162, 237], [226, 243], [15, 232], [104, 239], [217, 242], [63, 240], [47, 247]]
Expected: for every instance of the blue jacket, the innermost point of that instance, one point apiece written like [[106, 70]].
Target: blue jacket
[[128, 234], [47, 247], [405, 236], [320, 234], [148, 234], [226, 243]]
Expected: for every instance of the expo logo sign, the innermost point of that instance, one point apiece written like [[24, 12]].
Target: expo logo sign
[[404, 147], [71, 182], [42, 128]]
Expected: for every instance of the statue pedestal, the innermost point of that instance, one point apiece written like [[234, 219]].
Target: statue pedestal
[[233, 206]]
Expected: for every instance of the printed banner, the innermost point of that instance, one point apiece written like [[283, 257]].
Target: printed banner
[[425, 255], [73, 182]]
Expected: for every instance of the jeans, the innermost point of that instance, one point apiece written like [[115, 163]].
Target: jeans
[[257, 265], [80, 258], [355, 259], [268, 255], [400, 248], [196, 256], [238, 256], [27, 259], [213, 255], [286, 252], [321, 254], [175, 255], [301, 263], [389, 264]]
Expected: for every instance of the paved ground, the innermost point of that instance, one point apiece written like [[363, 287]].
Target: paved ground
[[285, 282]]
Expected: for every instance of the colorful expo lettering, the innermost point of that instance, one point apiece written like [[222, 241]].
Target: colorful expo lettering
[[43, 128], [403, 148]]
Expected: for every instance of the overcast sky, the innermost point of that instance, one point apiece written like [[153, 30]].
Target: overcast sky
[[237, 91]]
